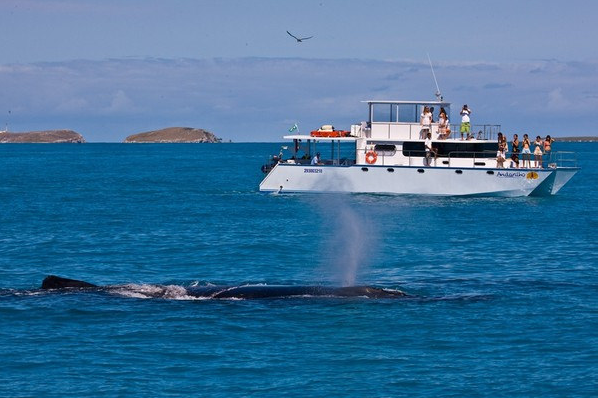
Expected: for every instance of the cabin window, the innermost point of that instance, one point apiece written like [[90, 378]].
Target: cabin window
[[385, 149], [403, 112], [408, 113], [382, 113], [454, 149]]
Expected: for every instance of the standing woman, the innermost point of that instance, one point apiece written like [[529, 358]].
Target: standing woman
[[526, 152], [538, 152], [515, 150], [425, 121], [547, 145]]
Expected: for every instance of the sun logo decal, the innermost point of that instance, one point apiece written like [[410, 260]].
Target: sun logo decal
[[532, 175]]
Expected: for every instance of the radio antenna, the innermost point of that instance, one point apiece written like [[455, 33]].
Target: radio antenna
[[438, 93]]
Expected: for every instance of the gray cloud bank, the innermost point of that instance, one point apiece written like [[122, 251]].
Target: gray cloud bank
[[258, 99]]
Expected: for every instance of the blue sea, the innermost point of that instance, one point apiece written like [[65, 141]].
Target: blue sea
[[503, 292]]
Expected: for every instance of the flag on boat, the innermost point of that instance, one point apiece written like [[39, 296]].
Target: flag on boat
[[294, 128]]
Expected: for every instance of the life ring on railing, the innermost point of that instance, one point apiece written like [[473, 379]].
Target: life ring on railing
[[371, 157]]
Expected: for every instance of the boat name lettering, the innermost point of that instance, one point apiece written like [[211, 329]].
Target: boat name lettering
[[510, 174], [312, 170]]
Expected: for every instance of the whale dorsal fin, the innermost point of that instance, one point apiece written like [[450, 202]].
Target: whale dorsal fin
[[57, 282]]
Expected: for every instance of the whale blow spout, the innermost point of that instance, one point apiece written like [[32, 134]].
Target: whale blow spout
[[57, 282]]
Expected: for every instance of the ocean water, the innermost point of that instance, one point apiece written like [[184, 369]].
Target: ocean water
[[503, 292]]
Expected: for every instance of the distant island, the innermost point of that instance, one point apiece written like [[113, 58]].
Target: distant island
[[577, 139], [174, 135], [42, 137]]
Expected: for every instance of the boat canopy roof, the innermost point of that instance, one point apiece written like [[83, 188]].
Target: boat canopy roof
[[382, 111], [309, 137], [434, 103]]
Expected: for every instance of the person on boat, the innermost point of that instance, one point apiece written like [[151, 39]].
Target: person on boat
[[525, 152], [547, 145], [430, 149], [503, 142], [500, 139], [465, 124], [444, 129], [501, 155], [316, 160], [538, 152], [425, 121], [515, 151]]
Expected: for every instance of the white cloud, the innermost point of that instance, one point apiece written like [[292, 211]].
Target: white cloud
[[121, 103], [556, 100], [72, 105], [253, 99]]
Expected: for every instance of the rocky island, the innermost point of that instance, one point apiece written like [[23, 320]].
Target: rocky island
[[42, 137], [174, 135]]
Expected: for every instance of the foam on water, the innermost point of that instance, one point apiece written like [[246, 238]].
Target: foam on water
[[147, 291]]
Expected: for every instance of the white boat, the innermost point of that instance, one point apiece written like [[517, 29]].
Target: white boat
[[386, 155]]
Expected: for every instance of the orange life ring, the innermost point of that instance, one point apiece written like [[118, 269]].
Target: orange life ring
[[371, 157]]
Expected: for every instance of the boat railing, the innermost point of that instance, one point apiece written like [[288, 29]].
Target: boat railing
[[414, 131], [477, 131], [414, 155], [479, 158], [562, 159]]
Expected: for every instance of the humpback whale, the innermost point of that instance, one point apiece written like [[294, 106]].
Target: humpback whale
[[53, 282]]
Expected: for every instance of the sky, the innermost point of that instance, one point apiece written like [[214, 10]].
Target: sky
[[112, 68]]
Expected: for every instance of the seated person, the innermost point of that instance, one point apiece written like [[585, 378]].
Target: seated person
[[316, 160], [430, 149], [444, 127]]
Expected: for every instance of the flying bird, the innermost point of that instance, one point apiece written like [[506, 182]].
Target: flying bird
[[299, 39]]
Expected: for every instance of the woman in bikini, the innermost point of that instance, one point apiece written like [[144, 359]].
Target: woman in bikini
[[538, 152], [525, 152], [547, 145], [515, 150], [443, 125]]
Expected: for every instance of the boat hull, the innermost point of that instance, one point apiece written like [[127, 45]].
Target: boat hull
[[414, 180], [562, 176]]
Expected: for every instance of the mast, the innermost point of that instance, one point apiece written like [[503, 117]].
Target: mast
[[438, 94]]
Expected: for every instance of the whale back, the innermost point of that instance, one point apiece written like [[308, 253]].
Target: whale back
[[53, 282], [282, 291], [57, 282]]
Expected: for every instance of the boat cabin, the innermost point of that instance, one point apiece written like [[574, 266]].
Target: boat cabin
[[393, 136]]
